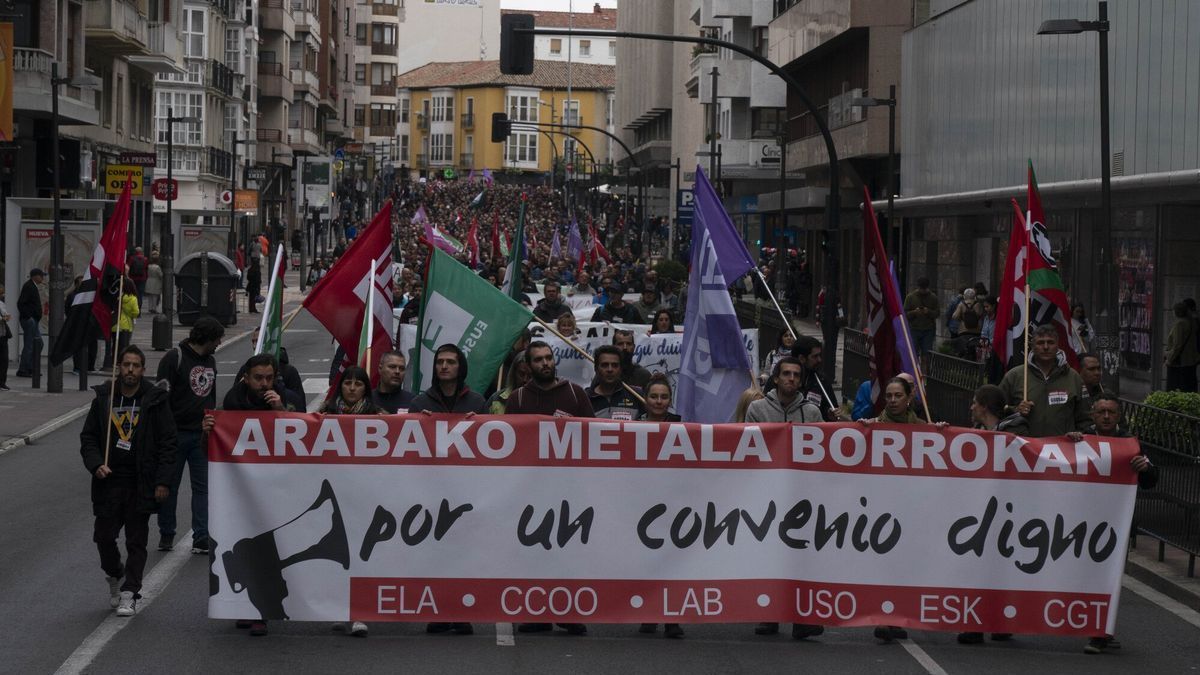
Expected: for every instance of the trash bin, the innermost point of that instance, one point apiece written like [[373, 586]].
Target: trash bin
[[207, 284]]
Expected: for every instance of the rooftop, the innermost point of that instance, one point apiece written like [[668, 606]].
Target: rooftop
[[546, 75], [600, 18]]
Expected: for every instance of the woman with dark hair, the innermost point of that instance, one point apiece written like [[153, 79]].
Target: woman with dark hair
[[663, 323], [783, 348], [353, 394], [658, 403]]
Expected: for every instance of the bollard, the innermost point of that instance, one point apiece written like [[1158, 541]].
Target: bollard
[[37, 363], [160, 333]]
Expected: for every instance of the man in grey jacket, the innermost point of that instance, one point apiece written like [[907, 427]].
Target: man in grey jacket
[[784, 403]]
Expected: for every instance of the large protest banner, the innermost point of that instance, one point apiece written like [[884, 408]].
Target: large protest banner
[[440, 518], [659, 353]]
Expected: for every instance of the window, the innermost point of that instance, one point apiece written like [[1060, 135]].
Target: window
[[404, 107], [360, 73], [383, 73], [585, 48], [556, 45], [181, 159], [523, 107], [571, 112], [612, 49], [233, 50], [383, 115], [470, 106], [382, 33], [119, 96], [766, 122], [469, 145], [608, 115], [404, 149], [360, 115], [193, 32], [360, 34], [346, 22], [233, 120], [186, 104], [443, 108], [521, 148], [106, 95], [441, 148]]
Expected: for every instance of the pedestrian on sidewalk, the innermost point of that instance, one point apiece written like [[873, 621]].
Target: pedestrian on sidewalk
[[131, 477], [5, 336], [123, 327], [29, 311], [189, 374], [921, 307], [253, 282], [138, 264], [154, 284]]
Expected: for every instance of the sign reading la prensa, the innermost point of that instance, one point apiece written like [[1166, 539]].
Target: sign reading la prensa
[[441, 518]]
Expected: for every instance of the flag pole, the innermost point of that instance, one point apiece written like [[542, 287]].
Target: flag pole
[[779, 309], [920, 376], [288, 321], [112, 389], [1028, 323], [583, 352], [262, 324]]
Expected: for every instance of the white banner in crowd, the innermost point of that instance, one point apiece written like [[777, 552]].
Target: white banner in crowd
[[526, 518], [657, 353]]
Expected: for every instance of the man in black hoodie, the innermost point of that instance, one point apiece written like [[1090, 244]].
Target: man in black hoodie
[[449, 392], [189, 374], [551, 306], [130, 477]]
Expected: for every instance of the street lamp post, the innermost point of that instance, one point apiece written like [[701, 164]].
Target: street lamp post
[[232, 243], [896, 239], [1104, 286], [58, 282], [161, 336]]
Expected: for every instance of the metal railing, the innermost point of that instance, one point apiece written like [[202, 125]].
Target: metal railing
[[384, 89], [383, 49], [268, 135], [1170, 512], [856, 362], [422, 122], [950, 384], [468, 120], [382, 9], [466, 160]]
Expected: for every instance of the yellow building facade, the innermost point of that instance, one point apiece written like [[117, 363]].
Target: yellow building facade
[[446, 117]]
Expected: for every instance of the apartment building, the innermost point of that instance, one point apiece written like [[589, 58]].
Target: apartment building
[[452, 105], [398, 36], [591, 49]]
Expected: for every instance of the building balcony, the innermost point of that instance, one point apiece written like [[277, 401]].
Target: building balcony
[[164, 50], [384, 9], [304, 141], [387, 89], [733, 80], [275, 82], [422, 161], [383, 49], [115, 27], [305, 80], [422, 122], [386, 130], [335, 127], [276, 15], [216, 163], [307, 19], [466, 160], [31, 90], [328, 101], [263, 135], [468, 121], [219, 78]]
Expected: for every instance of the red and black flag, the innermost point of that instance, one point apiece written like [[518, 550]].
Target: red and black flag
[[96, 300]]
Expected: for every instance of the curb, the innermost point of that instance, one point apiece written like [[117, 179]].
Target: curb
[[1162, 578], [29, 437]]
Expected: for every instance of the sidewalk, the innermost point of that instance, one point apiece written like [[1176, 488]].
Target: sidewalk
[[27, 413]]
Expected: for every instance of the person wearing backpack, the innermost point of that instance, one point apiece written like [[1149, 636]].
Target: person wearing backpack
[[953, 323], [189, 374]]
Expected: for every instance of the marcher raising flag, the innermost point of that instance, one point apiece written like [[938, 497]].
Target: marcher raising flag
[[270, 330], [716, 367], [462, 308], [339, 300], [99, 294]]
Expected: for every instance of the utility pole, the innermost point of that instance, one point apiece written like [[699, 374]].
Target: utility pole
[[712, 132]]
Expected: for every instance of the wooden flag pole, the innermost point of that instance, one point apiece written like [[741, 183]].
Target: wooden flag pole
[[920, 376], [583, 352], [288, 321], [1025, 361], [112, 389]]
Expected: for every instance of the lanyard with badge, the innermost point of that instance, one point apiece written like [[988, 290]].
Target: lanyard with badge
[[124, 423]]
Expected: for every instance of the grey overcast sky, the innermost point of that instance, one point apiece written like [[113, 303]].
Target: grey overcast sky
[[555, 5]]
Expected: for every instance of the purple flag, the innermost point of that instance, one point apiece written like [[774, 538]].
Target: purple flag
[[555, 245], [904, 341], [471, 176], [574, 241], [487, 177], [716, 366]]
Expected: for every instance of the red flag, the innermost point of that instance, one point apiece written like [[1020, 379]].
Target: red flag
[[1010, 305], [97, 296], [339, 299], [882, 342], [1047, 296], [473, 243]]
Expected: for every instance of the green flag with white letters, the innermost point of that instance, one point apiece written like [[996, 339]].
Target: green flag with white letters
[[462, 308]]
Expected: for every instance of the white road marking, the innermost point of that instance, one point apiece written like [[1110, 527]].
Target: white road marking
[[504, 635], [155, 582], [1170, 604], [922, 657]]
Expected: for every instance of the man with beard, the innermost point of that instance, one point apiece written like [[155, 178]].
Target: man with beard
[[808, 351], [390, 396], [189, 374], [610, 399], [449, 392], [132, 476], [550, 307], [545, 394], [632, 373]]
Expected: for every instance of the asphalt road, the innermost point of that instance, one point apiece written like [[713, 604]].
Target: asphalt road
[[54, 606]]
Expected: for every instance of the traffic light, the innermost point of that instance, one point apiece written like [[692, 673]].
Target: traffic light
[[516, 49], [501, 127]]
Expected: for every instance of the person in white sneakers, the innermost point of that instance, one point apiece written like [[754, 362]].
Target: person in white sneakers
[[132, 476]]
